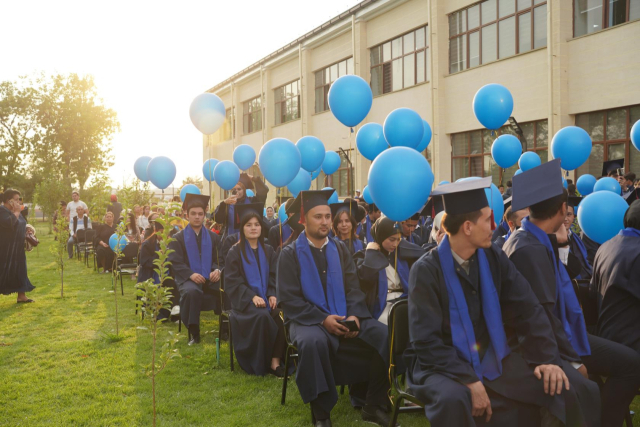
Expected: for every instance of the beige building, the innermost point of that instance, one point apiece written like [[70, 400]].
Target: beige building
[[566, 62]]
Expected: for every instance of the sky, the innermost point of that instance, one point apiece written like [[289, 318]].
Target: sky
[[150, 59]]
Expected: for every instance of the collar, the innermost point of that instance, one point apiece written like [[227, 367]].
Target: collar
[[463, 263], [326, 242]]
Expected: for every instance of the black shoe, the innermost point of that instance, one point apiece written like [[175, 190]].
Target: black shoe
[[278, 372], [194, 340], [194, 331], [323, 423], [376, 415]]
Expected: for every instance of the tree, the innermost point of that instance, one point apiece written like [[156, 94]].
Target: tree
[[48, 195], [59, 248], [192, 180]]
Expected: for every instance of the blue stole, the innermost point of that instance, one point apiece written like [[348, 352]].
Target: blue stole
[[383, 285], [367, 230], [356, 244], [358, 229], [506, 237], [231, 218], [505, 225], [286, 232], [199, 262], [567, 307], [256, 271], [583, 250], [629, 232], [462, 333], [335, 301]]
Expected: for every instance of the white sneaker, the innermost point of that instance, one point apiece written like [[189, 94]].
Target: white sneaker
[[175, 310]]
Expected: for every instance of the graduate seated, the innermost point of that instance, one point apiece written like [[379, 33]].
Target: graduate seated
[[467, 301], [345, 218], [514, 222], [224, 213], [436, 234], [408, 228], [338, 342], [383, 269], [194, 264], [534, 251], [616, 277], [373, 213], [574, 242], [250, 282]]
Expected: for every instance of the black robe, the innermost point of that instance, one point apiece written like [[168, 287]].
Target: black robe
[[226, 245], [414, 238], [104, 255], [370, 261], [499, 231], [436, 374], [220, 214], [254, 330], [146, 257], [616, 277], [346, 361], [592, 247], [13, 260], [351, 244], [585, 266]]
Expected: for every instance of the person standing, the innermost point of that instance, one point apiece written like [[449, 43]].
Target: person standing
[[224, 213], [72, 207], [13, 261]]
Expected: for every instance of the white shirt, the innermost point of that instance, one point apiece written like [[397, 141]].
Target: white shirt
[[142, 222], [80, 225], [393, 278], [72, 208], [326, 242]]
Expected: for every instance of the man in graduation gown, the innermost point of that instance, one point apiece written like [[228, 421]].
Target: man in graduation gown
[[616, 277], [373, 213], [408, 228], [467, 302], [195, 265], [13, 261], [224, 211], [317, 287], [629, 192], [576, 246], [534, 251], [514, 222]]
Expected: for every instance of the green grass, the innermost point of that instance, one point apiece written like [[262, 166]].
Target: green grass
[[59, 364]]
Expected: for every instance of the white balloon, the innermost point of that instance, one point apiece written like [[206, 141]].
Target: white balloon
[[207, 113]]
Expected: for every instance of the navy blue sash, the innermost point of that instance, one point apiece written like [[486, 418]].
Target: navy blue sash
[[383, 285], [335, 302], [629, 232], [199, 262], [567, 307], [367, 230], [462, 333], [256, 271], [286, 232]]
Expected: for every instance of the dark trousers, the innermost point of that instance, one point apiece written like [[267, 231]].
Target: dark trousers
[[104, 257], [621, 366], [195, 298]]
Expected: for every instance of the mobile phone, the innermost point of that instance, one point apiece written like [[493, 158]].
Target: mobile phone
[[351, 324], [234, 192], [620, 171]]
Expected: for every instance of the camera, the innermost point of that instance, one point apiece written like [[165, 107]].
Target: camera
[[234, 192], [620, 171]]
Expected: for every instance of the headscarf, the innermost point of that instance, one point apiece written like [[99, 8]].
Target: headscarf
[[436, 227], [383, 229]]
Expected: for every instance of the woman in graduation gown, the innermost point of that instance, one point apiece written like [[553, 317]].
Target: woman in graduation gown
[[104, 254], [250, 282], [224, 213], [346, 216], [383, 268]]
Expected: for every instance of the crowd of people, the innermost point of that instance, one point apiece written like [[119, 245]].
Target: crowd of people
[[497, 334]]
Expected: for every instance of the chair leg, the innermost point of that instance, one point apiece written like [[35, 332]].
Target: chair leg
[[179, 325], [628, 419], [286, 375], [230, 347], [396, 408]]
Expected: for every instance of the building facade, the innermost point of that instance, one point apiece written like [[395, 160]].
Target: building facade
[[566, 62]]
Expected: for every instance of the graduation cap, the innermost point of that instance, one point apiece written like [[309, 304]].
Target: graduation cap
[[308, 200], [246, 181], [574, 201], [350, 206], [243, 210], [507, 202], [433, 207], [537, 185], [611, 165], [195, 200], [463, 197]]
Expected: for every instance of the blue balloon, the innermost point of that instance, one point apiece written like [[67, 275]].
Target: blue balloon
[[315, 174], [518, 172], [350, 99], [370, 141], [115, 245], [250, 193], [208, 167], [572, 145], [279, 161], [311, 152], [635, 135], [244, 156], [282, 213], [334, 197], [366, 195], [388, 177], [226, 174], [161, 171], [444, 182], [140, 168], [331, 162], [302, 182], [207, 113], [426, 137], [565, 184], [529, 160], [188, 189], [585, 184], [506, 150], [403, 127], [607, 184], [493, 105], [601, 215]]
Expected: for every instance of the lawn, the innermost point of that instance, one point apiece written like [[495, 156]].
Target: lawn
[[58, 366]]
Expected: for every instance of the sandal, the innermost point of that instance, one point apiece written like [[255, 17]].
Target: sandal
[[27, 301]]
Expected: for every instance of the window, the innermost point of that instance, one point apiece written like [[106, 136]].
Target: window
[[341, 180], [609, 131], [471, 151], [400, 63], [252, 115], [495, 29], [287, 102], [590, 16], [325, 77], [225, 132]]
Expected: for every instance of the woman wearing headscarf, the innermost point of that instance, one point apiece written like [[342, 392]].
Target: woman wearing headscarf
[[224, 213], [437, 233], [250, 282], [383, 268]]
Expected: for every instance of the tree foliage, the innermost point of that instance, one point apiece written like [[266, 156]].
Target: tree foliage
[[48, 194], [195, 180]]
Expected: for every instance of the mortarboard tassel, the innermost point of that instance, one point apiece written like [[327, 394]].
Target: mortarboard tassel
[[493, 221]]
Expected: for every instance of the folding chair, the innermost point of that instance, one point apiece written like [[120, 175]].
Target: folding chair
[[398, 342], [129, 262], [79, 242], [89, 237]]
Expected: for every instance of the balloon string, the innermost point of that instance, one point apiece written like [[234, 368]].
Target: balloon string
[[279, 221]]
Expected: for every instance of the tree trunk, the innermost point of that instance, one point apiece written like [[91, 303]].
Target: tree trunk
[[62, 282], [153, 374]]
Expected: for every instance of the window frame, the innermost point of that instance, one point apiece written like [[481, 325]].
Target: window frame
[[516, 15], [605, 15], [326, 86], [389, 63], [278, 104], [248, 116]]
